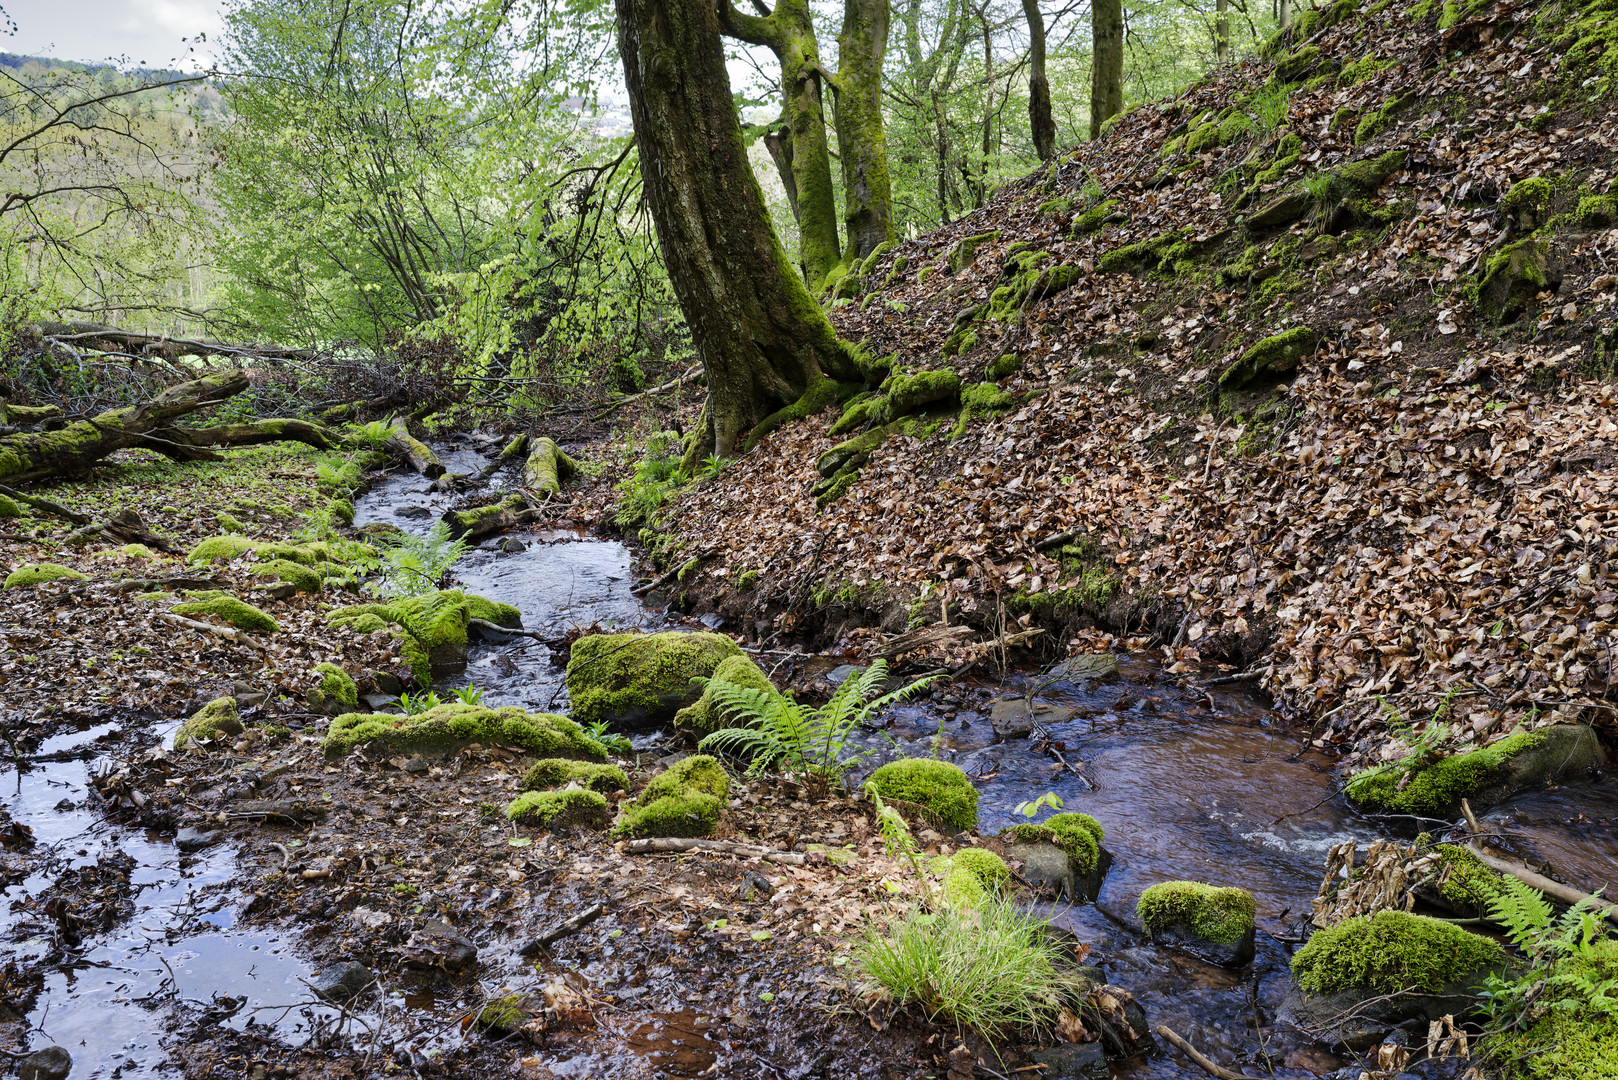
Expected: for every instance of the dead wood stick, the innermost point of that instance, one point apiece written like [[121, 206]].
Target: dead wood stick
[[705, 557], [229, 633], [1555, 889], [566, 928], [495, 628], [1197, 1056], [413, 450], [690, 374], [46, 505], [718, 847], [515, 448]]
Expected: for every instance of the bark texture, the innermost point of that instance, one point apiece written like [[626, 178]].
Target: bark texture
[[763, 339], [1041, 125], [1107, 67], [862, 141]]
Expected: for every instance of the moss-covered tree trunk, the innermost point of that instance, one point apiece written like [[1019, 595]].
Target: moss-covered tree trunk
[[1222, 31], [1041, 125], [862, 142], [1107, 62], [789, 32], [763, 339]]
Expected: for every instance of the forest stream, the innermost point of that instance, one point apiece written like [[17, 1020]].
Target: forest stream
[[1188, 783]]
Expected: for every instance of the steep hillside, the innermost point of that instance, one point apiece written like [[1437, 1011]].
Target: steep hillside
[[1309, 368]]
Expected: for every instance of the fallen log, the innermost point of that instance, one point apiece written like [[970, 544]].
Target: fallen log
[[192, 444], [514, 448], [413, 450], [228, 633], [26, 415], [548, 465], [125, 526], [76, 447], [1554, 889], [46, 505], [112, 339], [718, 847], [481, 521]]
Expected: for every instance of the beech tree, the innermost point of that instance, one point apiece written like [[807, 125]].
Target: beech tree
[[1041, 127], [763, 340], [1107, 62]]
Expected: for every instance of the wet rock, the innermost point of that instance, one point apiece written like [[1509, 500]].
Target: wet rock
[[413, 512], [343, 981], [417, 766], [378, 701], [1014, 718], [51, 1063], [1087, 666], [193, 839], [1074, 1061], [390, 685], [1214, 924], [1359, 1019], [838, 675], [439, 945], [1045, 864], [511, 545], [247, 701]]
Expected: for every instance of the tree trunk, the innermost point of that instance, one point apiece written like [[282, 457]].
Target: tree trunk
[[192, 444], [1284, 15], [862, 142], [1222, 31], [779, 143], [1107, 62], [1041, 126], [79, 445], [789, 32], [111, 339], [762, 338]]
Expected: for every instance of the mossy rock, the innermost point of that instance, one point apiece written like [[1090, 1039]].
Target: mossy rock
[[241, 615], [1063, 852], [570, 808], [340, 510], [1092, 219], [462, 522], [1274, 357], [560, 772], [436, 621], [868, 267], [1528, 203], [131, 551], [215, 548], [1281, 209], [448, 728], [1596, 211], [637, 680], [218, 719], [304, 578], [703, 716], [972, 876], [685, 799], [1463, 884], [502, 1015], [1298, 64], [1367, 175], [1212, 923], [1003, 367], [9, 507], [30, 574], [941, 790], [335, 692], [1485, 777], [865, 409], [910, 392], [1514, 277], [966, 250]]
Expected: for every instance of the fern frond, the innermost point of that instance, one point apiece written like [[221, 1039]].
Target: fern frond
[[1523, 912]]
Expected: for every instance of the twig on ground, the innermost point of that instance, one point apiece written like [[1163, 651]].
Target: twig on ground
[[564, 929], [657, 844], [1197, 1056]]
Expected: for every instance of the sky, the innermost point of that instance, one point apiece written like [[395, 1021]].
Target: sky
[[142, 31]]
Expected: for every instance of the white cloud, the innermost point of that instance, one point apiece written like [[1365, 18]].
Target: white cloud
[[147, 31]]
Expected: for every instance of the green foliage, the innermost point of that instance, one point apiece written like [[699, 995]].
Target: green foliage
[[469, 694], [987, 968], [1390, 952], [775, 731], [415, 704], [415, 565], [1030, 808], [616, 744], [643, 494], [1573, 964]]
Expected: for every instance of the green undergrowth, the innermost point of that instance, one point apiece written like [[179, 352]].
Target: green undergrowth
[[1423, 785]]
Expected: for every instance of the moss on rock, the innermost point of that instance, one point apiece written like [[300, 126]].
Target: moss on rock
[[220, 718], [569, 808], [966, 249], [559, 772], [9, 507], [451, 726], [685, 799], [1079, 835], [1437, 787], [942, 790], [241, 615], [336, 688], [971, 875], [1389, 952], [1274, 357], [909, 392], [1513, 277], [638, 679], [1095, 217], [305, 578], [703, 716], [1571, 1040], [37, 573], [1219, 915], [215, 548]]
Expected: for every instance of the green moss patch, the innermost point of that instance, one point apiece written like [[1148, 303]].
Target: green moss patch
[[305, 578], [9, 507], [448, 728], [218, 719], [573, 807], [942, 790], [38, 573], [1389, 952], [1080, 835], [559, 772], [1438, 787], [703, 716], [1273, 357], [241, 615], [972, 874], [1571, 1040], [683, 800], [641, 678], [335, 689], [1222, 916], [215, 548]]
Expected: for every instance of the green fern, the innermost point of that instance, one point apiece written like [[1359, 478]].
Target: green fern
[[1573, 965], [774, 730]]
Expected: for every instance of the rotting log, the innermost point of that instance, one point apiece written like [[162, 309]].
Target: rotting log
[[192, 444], [662, 844], [484, 521], [514, 449], [112, 339], [548, 465], [76, 447], [124, 526], [413, 450]]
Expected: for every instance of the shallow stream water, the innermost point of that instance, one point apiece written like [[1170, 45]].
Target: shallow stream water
[[1186, 786]]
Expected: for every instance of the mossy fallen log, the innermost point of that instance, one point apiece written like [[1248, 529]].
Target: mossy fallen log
[[514, 449], [484, 521], [193, 444], [413, 450], [548, 465]]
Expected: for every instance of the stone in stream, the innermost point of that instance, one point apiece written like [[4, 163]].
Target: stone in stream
[[1086, 666], [1211, 923], [439, 945], [640, 680], [1063, 852], [51, 1063], [192, 839], [1012, 718], [343, 981], [1074, 1061]]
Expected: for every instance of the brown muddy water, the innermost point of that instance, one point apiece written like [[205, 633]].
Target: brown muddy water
[[1186, 786]]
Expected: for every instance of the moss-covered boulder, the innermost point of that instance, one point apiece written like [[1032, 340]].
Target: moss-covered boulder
[[1596, 211], [636, 680], [218, 719], [1514, 277], [1368, 974], [219, 548], [966, 250], [909, 392], [1528, 203], [1063, 852], [1214, 924], [334, 690], [304, 578], [1298, 65], [437, 622], [448, 728], [704, 715], [1275, 357], [9, 507], [1461, 883], [1366, 176], [37, 573], [941, 791], [972, 875], [1092, 219], [243, 616], [569, 808], [685, 799], [561, 772], [1486, 776], [1282, 208]]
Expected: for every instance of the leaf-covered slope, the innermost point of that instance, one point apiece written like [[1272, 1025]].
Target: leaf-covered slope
[[1412, 494]]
